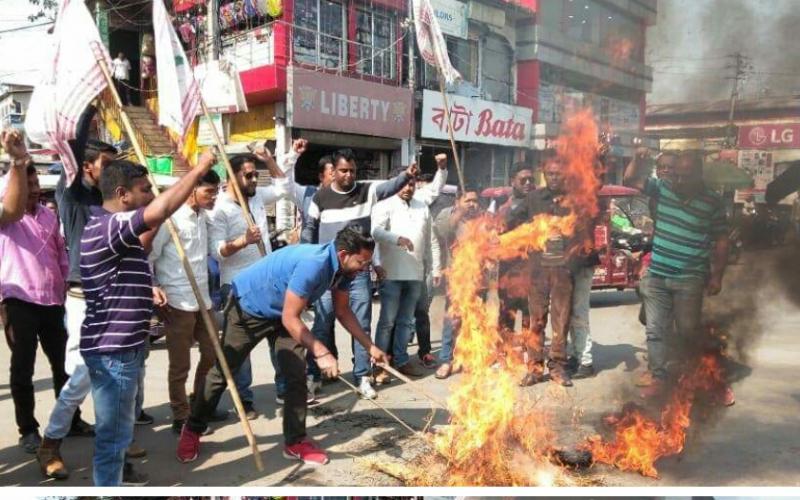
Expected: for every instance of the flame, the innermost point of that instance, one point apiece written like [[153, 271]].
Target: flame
[[491, 422], [639, 441]]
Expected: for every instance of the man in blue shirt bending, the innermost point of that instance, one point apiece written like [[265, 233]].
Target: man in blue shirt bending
[[265, 301]]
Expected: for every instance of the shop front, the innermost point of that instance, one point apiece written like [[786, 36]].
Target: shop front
[[335, 112], [490, 136]]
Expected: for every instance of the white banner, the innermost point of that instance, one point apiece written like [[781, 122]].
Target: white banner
[[452, 17], [221, 87], [476, 120], [72, 78], [178, 93], [430, 41]]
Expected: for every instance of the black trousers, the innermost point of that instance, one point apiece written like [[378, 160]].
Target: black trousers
[[242, 333], [27, 325]]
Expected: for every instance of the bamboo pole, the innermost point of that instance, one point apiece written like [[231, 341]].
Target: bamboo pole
[[248, 217], [450, 131], [211, 326], [415, 386]]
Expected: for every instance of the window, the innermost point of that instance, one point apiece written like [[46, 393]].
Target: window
[[497, 62], [375, 36], [319, 33], [464, 57]]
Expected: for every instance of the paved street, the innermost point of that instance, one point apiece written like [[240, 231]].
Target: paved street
[[754, 442]]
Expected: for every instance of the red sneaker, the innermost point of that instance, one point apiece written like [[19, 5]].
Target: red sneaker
[[188, 446], [307, 451]]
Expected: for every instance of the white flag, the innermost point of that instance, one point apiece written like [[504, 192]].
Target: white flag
[[431, 42], [178, 92], [71, 79]]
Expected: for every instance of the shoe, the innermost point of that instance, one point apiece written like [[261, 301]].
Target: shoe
[[81, 428], [428, 361], [131, 477], [307, 451], [367, 392], [249, 410], [30, 442], [572, 364], [177, 425], [382, 377], [135, 451], [444, 371], [144, 419], [653, 390], [646, 379], [219, 416], [279, 399], [531, 378], [562, 378], [727, 398], [50, 462], [188, 446], [584, 371], [411, 370]]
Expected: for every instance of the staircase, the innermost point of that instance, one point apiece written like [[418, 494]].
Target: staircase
[[154, 139]]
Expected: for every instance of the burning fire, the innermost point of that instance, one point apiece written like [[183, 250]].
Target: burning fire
[[489, 428], [639, 440]]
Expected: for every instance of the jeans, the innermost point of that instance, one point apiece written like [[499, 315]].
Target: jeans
[[669, 302], [361, 304], [398, 302], [422, 317], [78, 385], [72, 395], [114, 379], [242, 333], [27, 325], [580, 346]]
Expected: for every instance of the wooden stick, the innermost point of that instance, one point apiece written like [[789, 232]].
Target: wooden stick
[[450, 132], [388, 412], [248, 217], [414, 385], [211, 326]]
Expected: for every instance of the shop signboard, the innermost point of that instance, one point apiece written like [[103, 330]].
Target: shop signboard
[[452, 16], [221, 86], [322, 101], [205, 136], [476, 120], [770, 136]]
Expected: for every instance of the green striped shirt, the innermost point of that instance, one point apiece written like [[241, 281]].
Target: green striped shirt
[[685, 230]]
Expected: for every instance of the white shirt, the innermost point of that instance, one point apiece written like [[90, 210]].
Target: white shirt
[[429, 192], [121, 68], [393, 218], [192, 229], [226, 222]]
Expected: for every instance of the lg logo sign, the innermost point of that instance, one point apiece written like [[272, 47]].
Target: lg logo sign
[[770, 136]]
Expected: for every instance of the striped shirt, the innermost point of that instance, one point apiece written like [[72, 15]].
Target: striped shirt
[[331, 211], [685, 231], [116, 282]]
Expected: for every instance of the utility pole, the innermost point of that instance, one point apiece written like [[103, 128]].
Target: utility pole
[[212, 38], [739, 66]]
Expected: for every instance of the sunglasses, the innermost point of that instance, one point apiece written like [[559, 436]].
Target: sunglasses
[[251, 175], [526, 180]]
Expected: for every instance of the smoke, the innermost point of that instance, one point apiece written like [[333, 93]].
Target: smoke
[[688, 45]]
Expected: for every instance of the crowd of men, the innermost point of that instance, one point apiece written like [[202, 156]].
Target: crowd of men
[[85, 283]]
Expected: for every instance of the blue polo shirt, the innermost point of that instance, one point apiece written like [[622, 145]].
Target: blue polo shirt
[[307, 270]]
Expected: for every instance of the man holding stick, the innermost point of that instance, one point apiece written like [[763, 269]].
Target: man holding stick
[[117, 284], [266, 301]]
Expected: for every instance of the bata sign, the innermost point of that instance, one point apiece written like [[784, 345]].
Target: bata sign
[[786, 135], [475, 120]]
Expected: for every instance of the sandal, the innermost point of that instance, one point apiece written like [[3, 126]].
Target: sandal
[[444, 371], [428, 361]]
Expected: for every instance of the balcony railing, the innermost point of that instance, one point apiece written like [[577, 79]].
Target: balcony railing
[[250, 49]]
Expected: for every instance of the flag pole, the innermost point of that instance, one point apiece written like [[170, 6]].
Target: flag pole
[[450, 130], [248, 217], [211, 326]]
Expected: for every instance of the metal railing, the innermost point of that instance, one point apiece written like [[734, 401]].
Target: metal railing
[[252, 48]]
